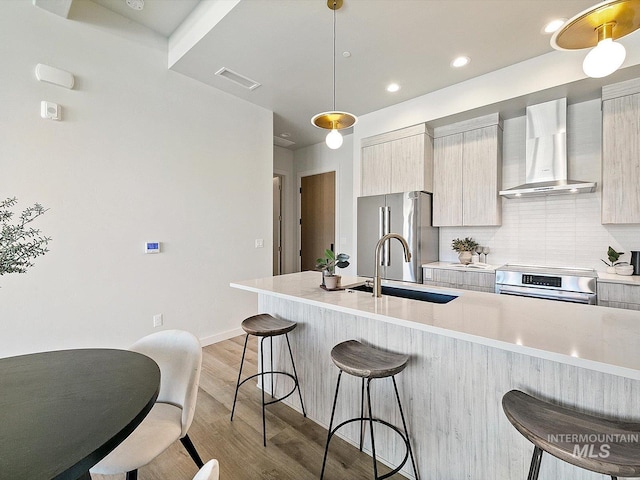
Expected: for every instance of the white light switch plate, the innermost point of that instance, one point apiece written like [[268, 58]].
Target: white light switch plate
[[259, 243]]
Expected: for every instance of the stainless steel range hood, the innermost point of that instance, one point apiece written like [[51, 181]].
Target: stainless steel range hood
[[546, 160]]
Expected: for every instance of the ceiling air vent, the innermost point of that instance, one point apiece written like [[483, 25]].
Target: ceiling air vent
[[237, 78], [282, 142]]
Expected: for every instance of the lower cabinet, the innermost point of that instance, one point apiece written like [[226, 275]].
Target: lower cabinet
[[478, 281], [619, 295]]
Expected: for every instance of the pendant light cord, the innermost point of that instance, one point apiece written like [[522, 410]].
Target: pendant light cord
[[334, 55]]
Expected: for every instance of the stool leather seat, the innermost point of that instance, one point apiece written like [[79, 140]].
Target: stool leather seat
[[539, 422], [361, 360], [265, 325]]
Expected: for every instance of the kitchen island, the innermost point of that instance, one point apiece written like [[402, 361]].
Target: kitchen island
[[465, 355]]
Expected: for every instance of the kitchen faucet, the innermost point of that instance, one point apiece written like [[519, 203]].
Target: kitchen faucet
[[377, 283]]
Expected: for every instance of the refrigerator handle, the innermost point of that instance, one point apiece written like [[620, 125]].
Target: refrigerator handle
[[381, 229], [387, 244]]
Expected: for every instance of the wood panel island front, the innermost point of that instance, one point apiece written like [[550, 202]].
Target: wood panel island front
[[465, 355]]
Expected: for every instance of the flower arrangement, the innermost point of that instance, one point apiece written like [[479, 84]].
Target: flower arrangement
[[468, 244], [20, 243]]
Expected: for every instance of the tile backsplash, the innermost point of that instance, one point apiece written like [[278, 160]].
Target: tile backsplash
[[562, 230]]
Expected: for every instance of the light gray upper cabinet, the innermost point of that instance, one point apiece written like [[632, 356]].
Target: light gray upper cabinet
[[621, 152], [467, 173], [398, 161]]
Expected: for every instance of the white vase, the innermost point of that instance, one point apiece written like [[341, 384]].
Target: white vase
[[465, 258], [611, 269], [332, 281]]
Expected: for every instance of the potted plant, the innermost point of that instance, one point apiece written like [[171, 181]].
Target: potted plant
[[19, 242], [613, 257], [464, 248], [328, 265]]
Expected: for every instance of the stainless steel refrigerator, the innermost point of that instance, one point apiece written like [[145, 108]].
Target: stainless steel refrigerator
[[408, 214]]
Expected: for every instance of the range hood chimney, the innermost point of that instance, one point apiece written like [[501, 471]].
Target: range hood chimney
[[546, 160]]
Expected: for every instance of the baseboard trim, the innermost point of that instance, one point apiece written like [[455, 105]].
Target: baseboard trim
[[219, 337]]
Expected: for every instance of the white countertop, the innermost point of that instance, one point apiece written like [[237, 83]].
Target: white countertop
[[598, 338], [615, 278], [472, 267]]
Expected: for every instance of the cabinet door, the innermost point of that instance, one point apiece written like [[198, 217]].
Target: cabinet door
[[447, 180], [375, 177], [407, 164], [621, 160], [481, 176]]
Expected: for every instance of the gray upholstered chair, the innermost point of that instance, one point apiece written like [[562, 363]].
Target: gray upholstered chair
[[210, 471], [179, 356]]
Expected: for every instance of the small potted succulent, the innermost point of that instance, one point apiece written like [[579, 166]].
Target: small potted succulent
[[328, 265], [464, 248], [613, 257]]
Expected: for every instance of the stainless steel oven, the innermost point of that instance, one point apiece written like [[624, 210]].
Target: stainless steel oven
[[576, 285]]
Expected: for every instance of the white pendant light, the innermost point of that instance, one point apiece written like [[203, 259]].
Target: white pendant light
[[334, 139], [334, 120], [599, 27], [604, 59]]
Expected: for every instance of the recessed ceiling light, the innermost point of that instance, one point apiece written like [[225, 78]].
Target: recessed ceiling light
[[136, 4], [346, 54], [553, 25], [285, 135], [393, 87], [460, 61]]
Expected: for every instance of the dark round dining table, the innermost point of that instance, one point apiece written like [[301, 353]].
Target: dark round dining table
[[61, 412]]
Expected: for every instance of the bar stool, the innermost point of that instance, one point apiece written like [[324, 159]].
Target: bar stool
[[369, 363], [264, 325], [594, 443]]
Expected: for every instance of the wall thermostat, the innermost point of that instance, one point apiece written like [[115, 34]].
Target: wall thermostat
[[50, 110], [152, 247]]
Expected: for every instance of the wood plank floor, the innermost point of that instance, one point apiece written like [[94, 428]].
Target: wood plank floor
[[295, 445]]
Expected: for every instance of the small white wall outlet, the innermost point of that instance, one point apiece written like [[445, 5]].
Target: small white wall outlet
[[259, 243], [157, 320]]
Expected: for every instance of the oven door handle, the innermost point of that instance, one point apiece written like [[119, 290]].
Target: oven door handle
[[537, 293]]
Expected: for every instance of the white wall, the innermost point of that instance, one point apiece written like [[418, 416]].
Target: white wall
[[319, 158], [142, 154]]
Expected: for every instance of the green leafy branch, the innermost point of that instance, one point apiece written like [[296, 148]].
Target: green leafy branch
[[20, 243], [331, 261]]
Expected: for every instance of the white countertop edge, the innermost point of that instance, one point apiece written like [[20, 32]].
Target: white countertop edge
[[459, 267], [511, 347], [615, 278]]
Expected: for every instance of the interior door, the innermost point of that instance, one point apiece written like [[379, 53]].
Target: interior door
[[317, 217], [277, 225]]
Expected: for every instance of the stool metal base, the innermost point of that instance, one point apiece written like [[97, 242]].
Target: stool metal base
[[536, 459], [262, 374], [404, 436]]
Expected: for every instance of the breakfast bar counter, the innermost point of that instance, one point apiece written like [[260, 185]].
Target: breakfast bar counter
[[465, 355]]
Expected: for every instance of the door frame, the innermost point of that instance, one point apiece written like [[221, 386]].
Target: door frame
[[307, 173], [281, 233], [287, 211]]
